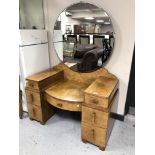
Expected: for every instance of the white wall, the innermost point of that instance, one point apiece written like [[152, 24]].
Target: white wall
[[105, 28], [121, 13], [67, 21]]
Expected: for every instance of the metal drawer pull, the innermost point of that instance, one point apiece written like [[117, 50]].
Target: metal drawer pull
[[32, 98], [59, 104], [33, 111], [93, 117], [95, 101], [93, 133], [31, 84]]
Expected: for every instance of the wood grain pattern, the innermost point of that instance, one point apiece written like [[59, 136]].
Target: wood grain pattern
[[114, 100], [68, 91], [33, 97], [41, 83], [95, 117], [86, 78], [43, 75], [97, 120], [101, 91], [65, 105], [102, 87], [93, 134], [91, 93], [35, 112]]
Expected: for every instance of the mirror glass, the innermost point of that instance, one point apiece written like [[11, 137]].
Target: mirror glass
[[83, 37]]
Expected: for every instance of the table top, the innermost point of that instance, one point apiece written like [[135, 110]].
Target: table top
[[103, 86], [71, 91], [42, 75]]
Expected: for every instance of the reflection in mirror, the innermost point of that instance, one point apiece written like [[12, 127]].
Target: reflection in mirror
[[83, 37], [31, 15]]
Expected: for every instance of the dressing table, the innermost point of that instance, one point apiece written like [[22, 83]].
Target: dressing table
[[79, 83], [93, 94]]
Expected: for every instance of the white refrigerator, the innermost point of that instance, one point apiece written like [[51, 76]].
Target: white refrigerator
[[33, 56]]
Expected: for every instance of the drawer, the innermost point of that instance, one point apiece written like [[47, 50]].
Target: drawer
[[45, 82], [98, 101], [32, 85], [65, 105], [95, 117], [93, 135], [35, 112], [33, 98]]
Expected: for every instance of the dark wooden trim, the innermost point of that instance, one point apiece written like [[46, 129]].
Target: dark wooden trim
[[117, 116]]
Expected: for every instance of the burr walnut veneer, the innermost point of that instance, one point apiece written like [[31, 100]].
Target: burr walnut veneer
[[93, 94]]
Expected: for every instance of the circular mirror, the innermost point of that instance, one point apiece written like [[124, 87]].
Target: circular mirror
[[83, 37]]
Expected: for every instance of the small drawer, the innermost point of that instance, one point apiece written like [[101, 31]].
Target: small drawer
[[33, 98], [95, 117], [98, 101], [35, 112], [93, 135], [32, 85]]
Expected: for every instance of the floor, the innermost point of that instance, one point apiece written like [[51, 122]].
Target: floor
[[61, 136]]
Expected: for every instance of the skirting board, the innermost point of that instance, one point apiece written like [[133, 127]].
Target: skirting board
[[117, 116]]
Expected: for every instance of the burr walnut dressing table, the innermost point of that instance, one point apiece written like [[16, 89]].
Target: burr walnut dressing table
[[84, 85], [93, 94]]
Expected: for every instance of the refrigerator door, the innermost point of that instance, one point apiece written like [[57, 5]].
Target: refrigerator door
[[30, 37], [33, 56], [34, 59]]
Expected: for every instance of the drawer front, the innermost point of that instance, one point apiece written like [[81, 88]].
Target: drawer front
[[95, 117], [35, 112], [38, 85], [32, 85], [71, 106], [33, 98], [102, 102], [93, 135]]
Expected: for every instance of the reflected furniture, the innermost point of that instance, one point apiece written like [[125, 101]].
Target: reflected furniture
[[93, 94], [90, 60], [84, 39], [98, 40], [82, 49], [111, 41], [72, 38], [68, 49]]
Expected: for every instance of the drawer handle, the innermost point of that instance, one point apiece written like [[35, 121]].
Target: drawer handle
[[93, 117], [33, 111], [59, 104], [31, 84], [95, 101], [31, 97], [93, 133]]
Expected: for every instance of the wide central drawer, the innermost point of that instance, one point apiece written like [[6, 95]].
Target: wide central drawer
[[95, 117], [71, 106]]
